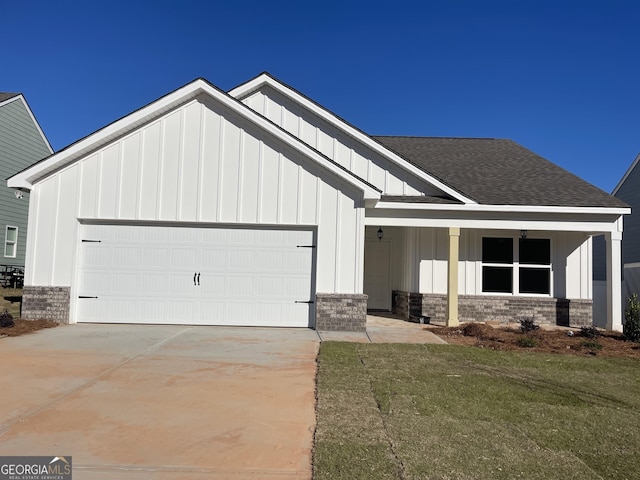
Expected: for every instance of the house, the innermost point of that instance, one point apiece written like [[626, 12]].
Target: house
[[627, 190], [22, 143], [260, 207]]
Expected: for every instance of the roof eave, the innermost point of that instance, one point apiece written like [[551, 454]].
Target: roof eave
[[504, 208]]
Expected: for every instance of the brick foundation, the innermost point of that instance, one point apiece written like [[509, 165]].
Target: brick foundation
[[481, 308], [50, 303], [345, 312]]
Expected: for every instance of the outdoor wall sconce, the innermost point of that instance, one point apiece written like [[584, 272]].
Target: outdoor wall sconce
[[380, 234], [523, 234]]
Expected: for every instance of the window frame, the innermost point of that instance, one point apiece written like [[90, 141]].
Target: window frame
[[7, 242], [516, 267]]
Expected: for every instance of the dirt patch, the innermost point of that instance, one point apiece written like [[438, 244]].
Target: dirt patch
[[559, 341], [22, 327]]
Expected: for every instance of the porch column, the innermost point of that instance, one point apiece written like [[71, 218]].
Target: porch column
[[452, 277], [614, 283]]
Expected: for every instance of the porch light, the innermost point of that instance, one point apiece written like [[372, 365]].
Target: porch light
[[380, 233], [523, 234]]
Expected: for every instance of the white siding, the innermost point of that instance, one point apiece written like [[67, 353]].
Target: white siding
[[198, 163], [327, 139]]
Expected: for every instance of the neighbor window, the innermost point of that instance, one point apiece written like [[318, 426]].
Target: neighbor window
[[516, 267], [10, 241]]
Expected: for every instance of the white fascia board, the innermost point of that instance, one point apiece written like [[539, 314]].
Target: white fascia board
[[26, 178], [626, 175], [264, 79], [503, 208], [589, 226]]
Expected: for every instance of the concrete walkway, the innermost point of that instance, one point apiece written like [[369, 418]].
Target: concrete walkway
[[386, 329]]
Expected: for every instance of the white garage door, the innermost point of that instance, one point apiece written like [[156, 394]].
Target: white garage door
[[200, 276]]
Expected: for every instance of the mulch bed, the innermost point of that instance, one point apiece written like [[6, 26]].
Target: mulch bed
[[22, 327], [546, 341]]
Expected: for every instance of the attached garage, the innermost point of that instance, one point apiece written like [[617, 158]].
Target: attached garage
[[211, 275], [194, 210]]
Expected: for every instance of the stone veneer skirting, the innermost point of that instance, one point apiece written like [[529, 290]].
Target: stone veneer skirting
[[49, 303], [338, 311], [483, 308]]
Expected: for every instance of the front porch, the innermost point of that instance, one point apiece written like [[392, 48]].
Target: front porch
[[452, 275]]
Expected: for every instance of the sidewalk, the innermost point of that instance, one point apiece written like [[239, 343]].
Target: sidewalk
[[385, 329]]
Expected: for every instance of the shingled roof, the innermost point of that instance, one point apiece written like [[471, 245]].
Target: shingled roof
[[498, 172], [7, 95]]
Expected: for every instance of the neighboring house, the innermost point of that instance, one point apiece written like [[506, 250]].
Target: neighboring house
[[22, 143], [627, 190], [260, 207]]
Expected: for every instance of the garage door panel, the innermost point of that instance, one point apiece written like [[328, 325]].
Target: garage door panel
[[96, 256], [269, 287], [183, 259], [212, 286], [123, 309], [144, 274], [125, 255], [213, 259], [125, 283], [155, 257], [296, 288], [157, 284]]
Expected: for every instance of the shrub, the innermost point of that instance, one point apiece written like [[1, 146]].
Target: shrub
[[527, 342], [528, 324], [589, 332], [631, 327], [6, 319], [591, 345]]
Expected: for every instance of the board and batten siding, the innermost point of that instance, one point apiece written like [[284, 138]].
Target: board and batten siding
[[199, 163], [428, 248], [21, 145], [334, 144]]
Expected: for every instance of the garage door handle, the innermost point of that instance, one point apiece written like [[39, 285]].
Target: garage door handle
[[196, 278], [302, 301]]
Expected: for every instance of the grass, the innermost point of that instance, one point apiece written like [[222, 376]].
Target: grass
[[455, 412]]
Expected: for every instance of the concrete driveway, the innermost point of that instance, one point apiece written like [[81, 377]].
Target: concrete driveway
[[162, 402]]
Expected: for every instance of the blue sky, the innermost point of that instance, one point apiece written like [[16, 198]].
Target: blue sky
[[559, 77]]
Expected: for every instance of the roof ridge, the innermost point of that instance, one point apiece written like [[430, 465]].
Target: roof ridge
[[436, 137]]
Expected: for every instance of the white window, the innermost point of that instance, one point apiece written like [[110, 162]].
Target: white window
[[10, 241], [520, 267]]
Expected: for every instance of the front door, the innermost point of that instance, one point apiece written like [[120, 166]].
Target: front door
[[377, 275]]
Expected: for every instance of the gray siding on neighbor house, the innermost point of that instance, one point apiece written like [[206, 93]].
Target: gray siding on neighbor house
[[628, 191], [21, 144]]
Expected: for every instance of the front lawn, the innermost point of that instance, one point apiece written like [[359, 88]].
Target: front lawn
[[456, 412]]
